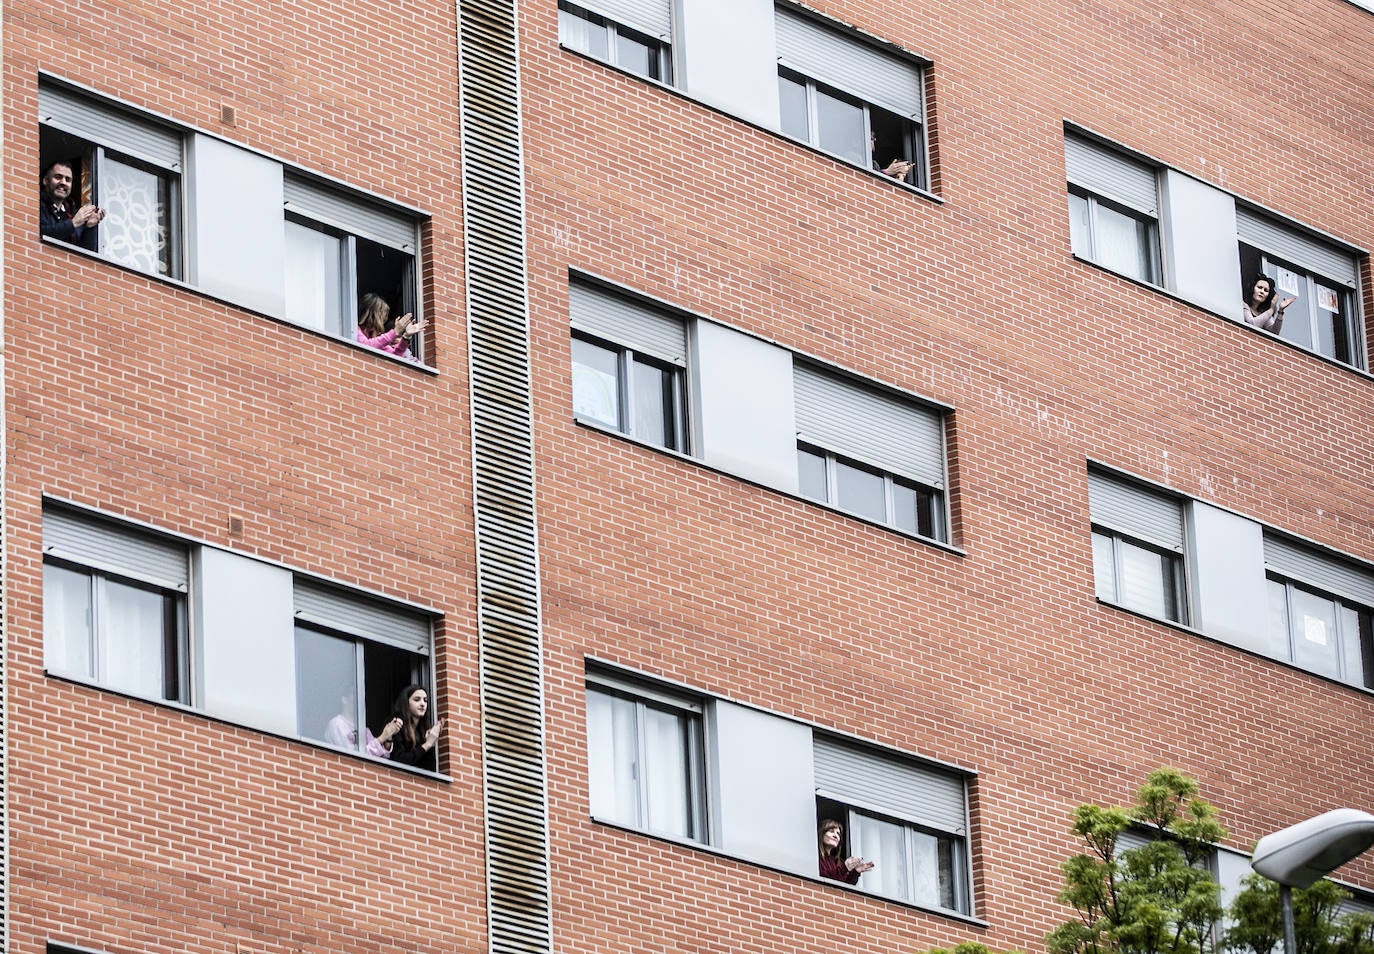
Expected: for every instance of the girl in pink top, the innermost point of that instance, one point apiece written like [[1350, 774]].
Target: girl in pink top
[[372, 315]]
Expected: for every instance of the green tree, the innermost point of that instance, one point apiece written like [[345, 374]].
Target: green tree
[[1159, 898], [1319, 928]]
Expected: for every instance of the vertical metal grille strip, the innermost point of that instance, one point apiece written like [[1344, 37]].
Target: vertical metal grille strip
[[515, 785]]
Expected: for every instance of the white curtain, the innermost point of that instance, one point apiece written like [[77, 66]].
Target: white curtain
[[312, 279], [884, 844], [132, 639], [665, 752], [67, 621], [612, 754]]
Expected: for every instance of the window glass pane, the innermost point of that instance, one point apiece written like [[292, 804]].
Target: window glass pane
[[811, 474], [612, 758], [884, 844], [1278, 620], [932, 870], [577, 31], [1355, 645], [1333, 339], [137, 227], [1314, 633], [1297, 319], [792, 100], [860, 491], [1104, 567], [67, 621], [840, 128], [654, 405], [667, 772], [596, 382], [904, 507], [326, 688], [1146, 583], [133, 637], [636, 54], [1122, 243], [1080, 228], [313, 282]]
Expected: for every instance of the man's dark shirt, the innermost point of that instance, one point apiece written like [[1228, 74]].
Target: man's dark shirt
[[55, 221]]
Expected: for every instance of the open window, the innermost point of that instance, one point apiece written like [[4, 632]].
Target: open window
[[128, 164], [340, 247], [1321, 277], [909, 819], [354, 658], [850, 98]]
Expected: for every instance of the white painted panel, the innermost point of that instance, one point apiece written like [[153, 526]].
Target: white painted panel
[[748, 418], [728, 55], [238, 230], [1233, 602], [1203, 260], [765, 793], [246, 640]]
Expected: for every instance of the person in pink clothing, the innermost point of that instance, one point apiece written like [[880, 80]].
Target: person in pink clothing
[[373, 312]]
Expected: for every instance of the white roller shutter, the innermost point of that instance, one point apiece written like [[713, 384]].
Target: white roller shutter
[[1312, 254], [653, 17], [355, 215], [112, 548], [1136, 511], [848, 64], [628, 324], [340, 610], [1327, 573], [871, 427], [109, 126], [1112, 175], [889, 785]]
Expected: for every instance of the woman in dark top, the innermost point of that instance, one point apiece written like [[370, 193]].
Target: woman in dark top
[[828, 836], [413, 737]]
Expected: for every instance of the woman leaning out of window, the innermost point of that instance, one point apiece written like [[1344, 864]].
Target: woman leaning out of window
[[828, 837], [412, 734]]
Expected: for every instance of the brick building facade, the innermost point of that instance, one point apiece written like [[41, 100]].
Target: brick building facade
[[732, 483]]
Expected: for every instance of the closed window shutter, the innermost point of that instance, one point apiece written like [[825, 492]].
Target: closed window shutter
[[356, 216], [1111, 175], [111, 548], [628, 324], [1322, 258], [1327, 573], [850, 65], [890, 785], [653, 17], [111, 127], [1135, 511], [345, 612], [873, 428]]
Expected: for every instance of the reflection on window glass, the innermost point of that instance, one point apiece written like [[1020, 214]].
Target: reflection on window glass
[[840, 125], [811, 474], [860, 491], [636, 56], [137, 227], [613, 758], [67, 635], [792, 100], [326, 689], [1147, 580], [133, 639], [653, 405], [583, 33], [666, 752], [1123, 243], [1080, 227], [596, 382], [313, 279], [1314, 633], [1104, 567]]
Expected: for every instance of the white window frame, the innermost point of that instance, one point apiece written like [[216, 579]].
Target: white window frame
[[1125, 512]]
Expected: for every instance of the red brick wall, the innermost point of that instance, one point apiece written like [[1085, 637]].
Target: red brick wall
[[137, 828], [999, 659]]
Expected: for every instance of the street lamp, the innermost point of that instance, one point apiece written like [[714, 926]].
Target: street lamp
[[1302, 854]]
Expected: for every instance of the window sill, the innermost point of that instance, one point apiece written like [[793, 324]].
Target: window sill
[[1277, 339], [667, 88], [814, 879], [200, 713], [1190, 631], [697, 461], [184, 286]]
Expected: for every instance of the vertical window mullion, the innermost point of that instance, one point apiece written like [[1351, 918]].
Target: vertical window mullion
[[97, 626], [813, 116], [1118, 570], [348, 272], [360, 696], [641, 760], [627, 384]]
